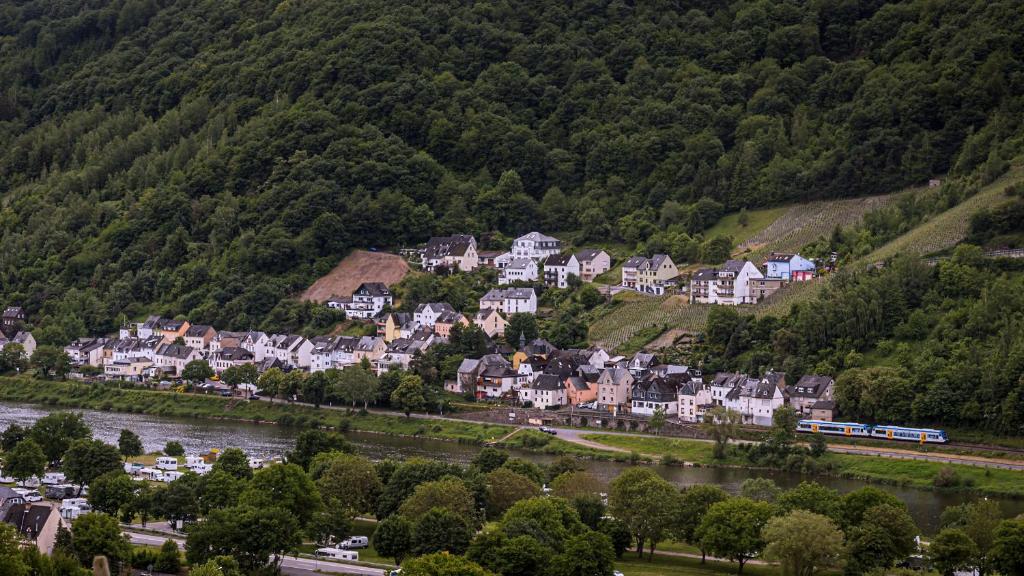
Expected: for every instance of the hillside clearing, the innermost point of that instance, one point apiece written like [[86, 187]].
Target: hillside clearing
[[358, 267]]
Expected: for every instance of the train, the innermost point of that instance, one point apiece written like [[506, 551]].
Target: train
[[857, 430]]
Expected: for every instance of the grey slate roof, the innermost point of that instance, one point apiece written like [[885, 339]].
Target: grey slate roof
[[548, 382]]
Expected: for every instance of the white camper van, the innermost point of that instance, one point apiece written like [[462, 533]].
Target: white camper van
[[167, 462]]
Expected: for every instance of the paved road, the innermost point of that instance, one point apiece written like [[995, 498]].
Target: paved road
[[576, 437], [290, 565]]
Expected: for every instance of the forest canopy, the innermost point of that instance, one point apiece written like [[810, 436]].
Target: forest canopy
[[211, 158]]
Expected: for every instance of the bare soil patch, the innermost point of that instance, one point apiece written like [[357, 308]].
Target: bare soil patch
[[358, 267]]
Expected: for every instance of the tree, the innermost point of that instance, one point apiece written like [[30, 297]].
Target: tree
[[979, 520], [129, 444], [55, 432], [441, 530], [489, 459], [314, 388], [284, 486], [657, 421], [782, 435], [884, 537], [349, 482], [761, 489], [550, 521], [11, 563], [255, 536], [330, 523], [442, 565], [521, 328], [505, 488], [405, 478], [99, 535], [812, 497], [646, 503], [25, 461], [179, 502], [804, 543], [522, 555], [174, 448], [111, 492], [409, 395], [271, 383], [856, 504], [952, 550], [11, 436], [393, 538], [1007, 552], [309, 443], [587, 554], [234, 462], [357, 384], [197, 371], [13, 358], [218, 489], [618, 532], [86, 460], [168, 560], [721, 425], [51, 362], [575, 484], [448, 493], [142, 504], [694, 504], [733, 529]]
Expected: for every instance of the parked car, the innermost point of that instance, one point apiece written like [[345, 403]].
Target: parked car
[[547, 430]]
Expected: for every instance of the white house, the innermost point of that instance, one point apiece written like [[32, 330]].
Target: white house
[[653, 393], [808, 391], [427, 314], [511, 300], [559, 267], [694, 401], [546, 390], [86, 351], [519, 270], [290, 349], [593, 263], [788, 267], [631, 271], [535, 246], [756, 400], [225, 358], [457, 251], [173, 357], [730, 284], [332, 352], [366, 302]]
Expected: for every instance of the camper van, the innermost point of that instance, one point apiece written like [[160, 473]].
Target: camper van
[[132, 467], [167, 463], [193, 461], [201, 468], [60, 491], [255, 463], [336, 554], [29, 494], [151, 474], [171, 476], [354, 542], [51, 478], [71, 508]]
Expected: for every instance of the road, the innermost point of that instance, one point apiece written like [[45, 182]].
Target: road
[[290, 565], [576, 437]]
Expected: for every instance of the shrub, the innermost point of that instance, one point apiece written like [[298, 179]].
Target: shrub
[[946, 477], [143, 558], [669, 460]]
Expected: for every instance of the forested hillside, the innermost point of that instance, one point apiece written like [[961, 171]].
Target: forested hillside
[[211, 157]]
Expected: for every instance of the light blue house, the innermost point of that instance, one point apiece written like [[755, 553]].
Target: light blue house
[[789, 267]]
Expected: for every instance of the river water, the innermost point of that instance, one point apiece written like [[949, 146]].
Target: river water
[[266, 441]]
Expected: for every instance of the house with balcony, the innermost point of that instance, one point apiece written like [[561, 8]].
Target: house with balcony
[[535, 246], [788, 267], [593, 263], [558, 268], [730, 284]]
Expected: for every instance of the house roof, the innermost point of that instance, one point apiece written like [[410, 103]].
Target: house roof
[[809, 386], [537, 237], [375, 289], [8, 493], [617, 375], [441, 246], [634, 262], [16, 312], [705, 275], [235, 355], [824, 405], [28, 519], [468, 365], [198, 330], [435, 307], [171, 325], [558, 260], [548, 382], [521, 264], [588, 254], [497, 294], [175, 351], [578, 383], [734, 266], [489, 253], [657, 260], [780, 257]]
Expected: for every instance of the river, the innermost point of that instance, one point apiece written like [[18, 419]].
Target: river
[[266, 441]]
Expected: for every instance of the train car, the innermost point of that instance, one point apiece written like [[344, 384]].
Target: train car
[[851, 429], [920, 435]]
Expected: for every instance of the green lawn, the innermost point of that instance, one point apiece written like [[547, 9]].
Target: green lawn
[[682, 566], [758, 220], [916, 473]]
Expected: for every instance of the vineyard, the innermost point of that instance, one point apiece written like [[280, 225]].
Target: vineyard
[[804, 223], [948, 228]]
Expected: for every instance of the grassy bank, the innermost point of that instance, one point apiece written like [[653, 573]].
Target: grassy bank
[[915, 473], [108, 398]]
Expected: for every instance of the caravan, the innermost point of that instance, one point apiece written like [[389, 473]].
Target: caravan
[[167, 463], [51, 478], [336, 554]]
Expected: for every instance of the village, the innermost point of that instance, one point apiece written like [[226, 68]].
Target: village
[[525, 373]]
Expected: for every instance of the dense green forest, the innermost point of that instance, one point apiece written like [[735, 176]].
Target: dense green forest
[[937, 344], [211, 158]]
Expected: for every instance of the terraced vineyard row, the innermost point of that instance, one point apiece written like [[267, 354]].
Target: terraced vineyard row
[[805, 223], [949, 228]]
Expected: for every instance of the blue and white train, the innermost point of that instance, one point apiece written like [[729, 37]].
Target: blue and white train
[[856, 430]]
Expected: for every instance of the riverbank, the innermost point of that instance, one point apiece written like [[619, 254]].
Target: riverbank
[[106, 398], [621, 448], [898, 472]]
